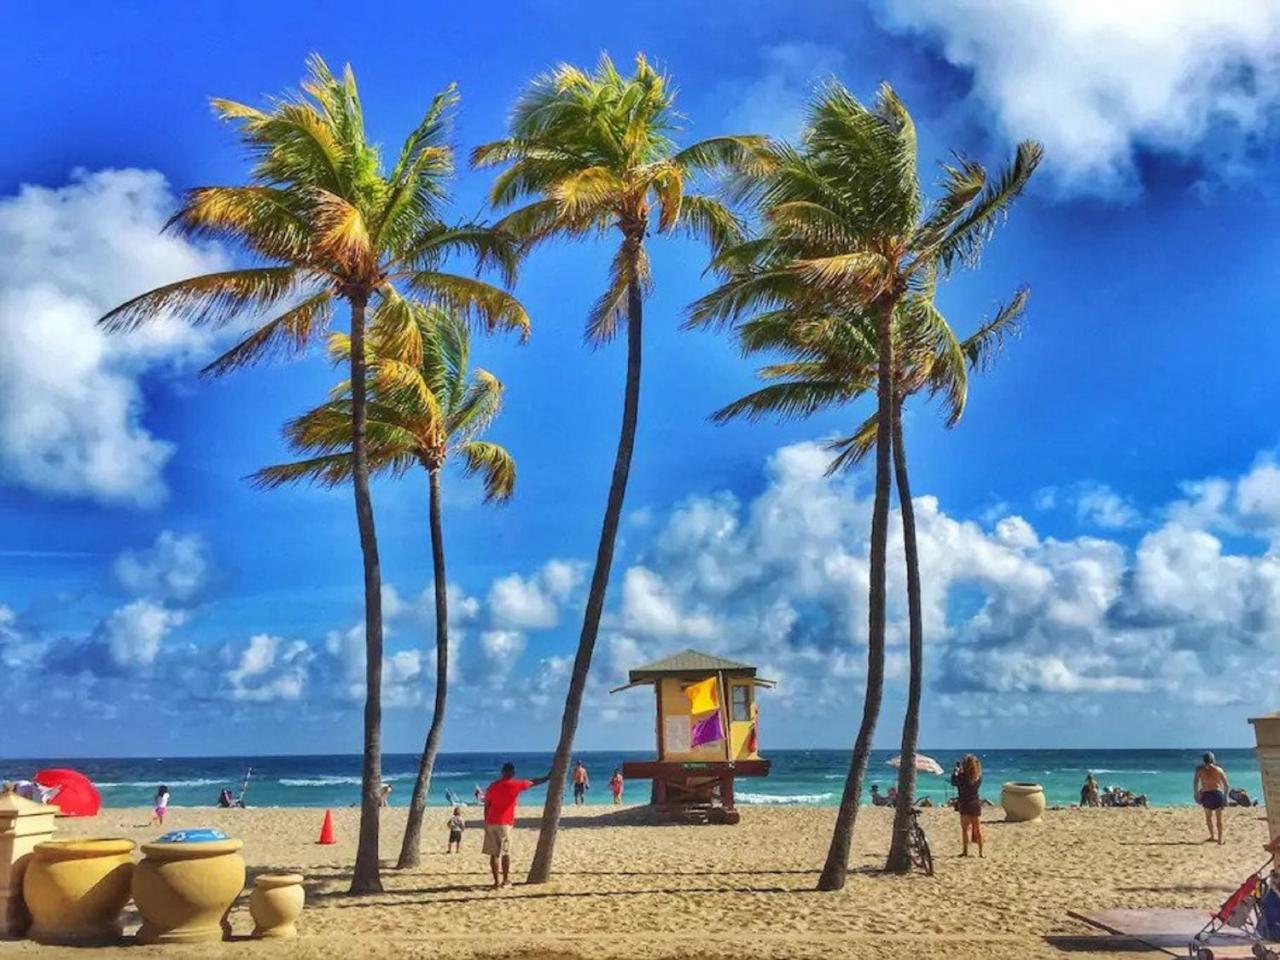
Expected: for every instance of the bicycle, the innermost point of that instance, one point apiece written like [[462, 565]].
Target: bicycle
[[918, 844]]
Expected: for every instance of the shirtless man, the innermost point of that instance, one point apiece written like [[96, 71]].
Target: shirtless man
[[1210, 790]]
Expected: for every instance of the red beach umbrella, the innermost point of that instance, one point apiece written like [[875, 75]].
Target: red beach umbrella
[[76, 796]]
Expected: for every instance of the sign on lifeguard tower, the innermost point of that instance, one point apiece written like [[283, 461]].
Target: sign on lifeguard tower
[[708, 730]]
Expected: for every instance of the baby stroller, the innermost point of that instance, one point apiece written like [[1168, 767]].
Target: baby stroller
[[1253, 911]]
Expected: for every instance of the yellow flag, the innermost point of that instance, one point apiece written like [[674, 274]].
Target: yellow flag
[[702, 696]]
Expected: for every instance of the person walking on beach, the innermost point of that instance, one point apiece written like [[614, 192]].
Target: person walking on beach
[[1210, 788], [500, 819], [161, 805], [966, 777], [580, 784], [456, 826], [615, 786]]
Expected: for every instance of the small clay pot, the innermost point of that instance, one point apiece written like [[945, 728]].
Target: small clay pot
[[275, 904], [76, 889]]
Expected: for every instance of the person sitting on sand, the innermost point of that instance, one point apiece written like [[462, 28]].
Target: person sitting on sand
[[580, 784], [1209, 787], [500, 819], [966, 777], [1089, 792], [1239, 797], [161, 805], [456, 826], [615, 786]]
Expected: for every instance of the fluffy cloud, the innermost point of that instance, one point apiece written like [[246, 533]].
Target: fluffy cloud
[[70, 404], [517, 602], [270, 668], [773, 102], [1099, 505], [175, 568], [1098, 81]]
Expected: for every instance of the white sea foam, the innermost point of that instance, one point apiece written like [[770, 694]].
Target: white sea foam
[[782, 798], [317, 781], [152, 784]]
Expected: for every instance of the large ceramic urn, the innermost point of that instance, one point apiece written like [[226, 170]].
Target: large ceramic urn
[[184, 889], [1022, 802], [76, 890]]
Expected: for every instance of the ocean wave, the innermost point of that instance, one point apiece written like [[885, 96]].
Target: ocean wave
[[317, 781], [782, 798], [152, 784]]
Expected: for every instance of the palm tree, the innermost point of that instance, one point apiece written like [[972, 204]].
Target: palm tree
[[419, 414], [325, 222], [846, 229], [832, 361], [591, 153]]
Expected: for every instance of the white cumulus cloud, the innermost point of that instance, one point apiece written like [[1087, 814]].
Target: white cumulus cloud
[[1097, 80], [70, 405]]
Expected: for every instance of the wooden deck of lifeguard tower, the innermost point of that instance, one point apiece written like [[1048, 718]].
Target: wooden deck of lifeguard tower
[[698, 781]]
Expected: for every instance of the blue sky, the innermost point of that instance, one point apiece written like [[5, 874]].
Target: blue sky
[[1099, 529]]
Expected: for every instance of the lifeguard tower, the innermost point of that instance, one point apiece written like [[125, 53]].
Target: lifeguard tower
[[708, 732]]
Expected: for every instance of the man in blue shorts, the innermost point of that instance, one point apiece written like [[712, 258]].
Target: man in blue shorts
[[1210, 787]]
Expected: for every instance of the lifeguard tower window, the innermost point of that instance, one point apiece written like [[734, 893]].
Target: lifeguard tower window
[[741, 702]]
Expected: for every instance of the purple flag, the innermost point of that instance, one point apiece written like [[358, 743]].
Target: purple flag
[[706, 730]]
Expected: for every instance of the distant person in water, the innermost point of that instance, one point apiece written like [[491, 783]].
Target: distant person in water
[[500, 819], [615, 786], [1089, 792], [580, 783], [1210, 788], [966, 777], [161, 805]]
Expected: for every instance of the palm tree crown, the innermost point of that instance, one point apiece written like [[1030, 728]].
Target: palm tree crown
[[594, 151], [420, 412], [327, 222]]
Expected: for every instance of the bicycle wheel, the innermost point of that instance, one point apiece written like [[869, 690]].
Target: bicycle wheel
[[921, 855]]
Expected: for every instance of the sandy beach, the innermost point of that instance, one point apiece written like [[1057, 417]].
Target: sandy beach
[[630, 887]]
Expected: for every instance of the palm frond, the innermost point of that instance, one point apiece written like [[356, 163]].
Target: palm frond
[[214, 299], [287, 336], [495, 464]]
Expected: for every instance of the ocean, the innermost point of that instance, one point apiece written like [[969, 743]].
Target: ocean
[[799, 777]]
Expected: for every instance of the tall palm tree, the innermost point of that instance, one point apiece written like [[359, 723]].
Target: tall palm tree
[[420, 413], [832, 361], [325, 223], [592, 153], [846, 228]]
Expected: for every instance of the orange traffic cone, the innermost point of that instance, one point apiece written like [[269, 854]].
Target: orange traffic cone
[[326, 829]]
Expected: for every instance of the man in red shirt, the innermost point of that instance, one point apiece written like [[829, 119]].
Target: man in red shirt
[[500, 819]]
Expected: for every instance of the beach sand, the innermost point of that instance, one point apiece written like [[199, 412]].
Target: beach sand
[[628, 887]]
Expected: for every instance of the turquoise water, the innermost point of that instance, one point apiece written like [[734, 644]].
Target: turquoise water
[[799, 777]]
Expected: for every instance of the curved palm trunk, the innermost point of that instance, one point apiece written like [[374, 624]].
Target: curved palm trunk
[[540, 870], [898, 860], [366, 877], [836, 867], [410, 849]]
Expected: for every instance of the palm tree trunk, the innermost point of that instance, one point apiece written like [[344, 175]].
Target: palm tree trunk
[[410, 849], [540, 870], [836, 867], [899, 861], [366, 877]]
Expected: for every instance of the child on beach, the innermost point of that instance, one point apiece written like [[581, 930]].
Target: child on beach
[[161, 805], [456, 826], [615, 786]]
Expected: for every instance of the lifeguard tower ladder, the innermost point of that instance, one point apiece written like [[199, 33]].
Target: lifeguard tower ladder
[[695, 769]]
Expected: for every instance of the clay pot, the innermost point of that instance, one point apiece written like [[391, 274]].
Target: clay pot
[[1022, 802], [275, 904], [75, 890], [185, 890]]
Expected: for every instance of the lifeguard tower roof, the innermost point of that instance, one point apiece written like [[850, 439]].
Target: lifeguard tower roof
[[689, 662]]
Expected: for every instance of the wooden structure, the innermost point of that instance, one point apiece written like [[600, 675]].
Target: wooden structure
[[699, 779]]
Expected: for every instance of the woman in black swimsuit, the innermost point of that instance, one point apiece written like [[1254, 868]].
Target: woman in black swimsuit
[[967, 779]]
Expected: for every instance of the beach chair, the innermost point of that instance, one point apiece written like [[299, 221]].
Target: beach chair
[[1250, 912]]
